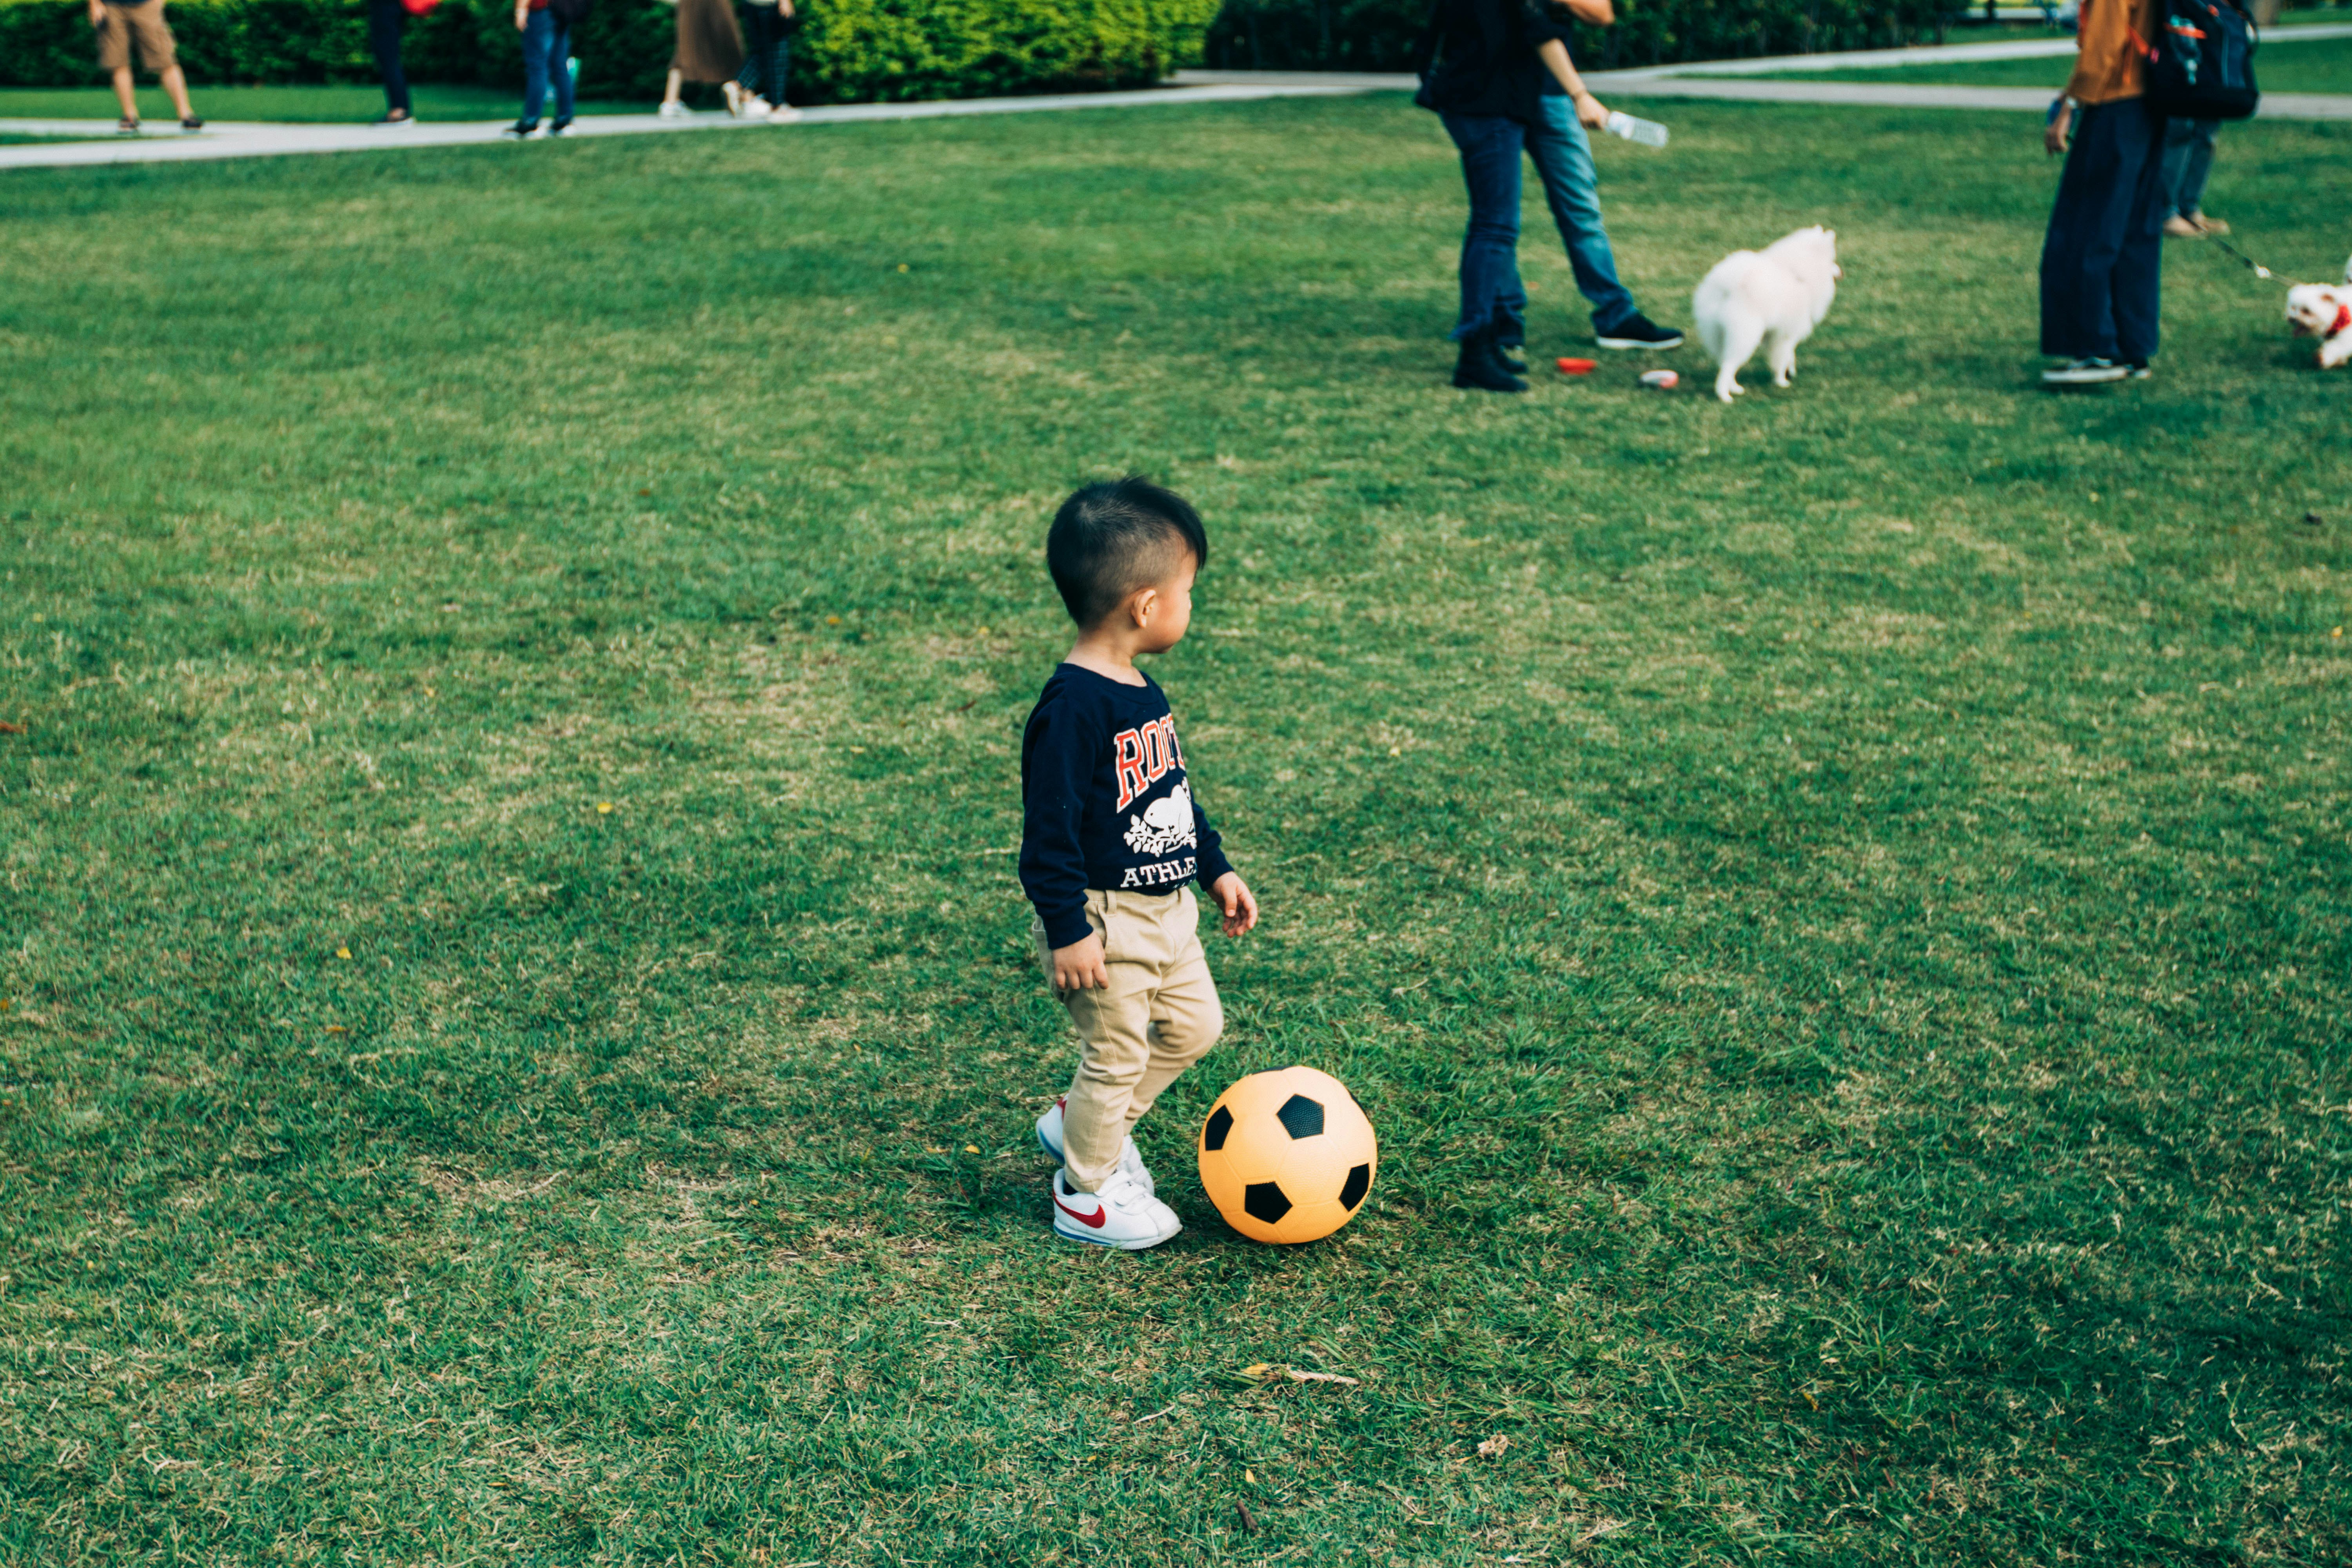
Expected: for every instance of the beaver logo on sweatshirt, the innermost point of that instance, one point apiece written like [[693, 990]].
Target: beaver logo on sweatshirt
[[1165, 825]]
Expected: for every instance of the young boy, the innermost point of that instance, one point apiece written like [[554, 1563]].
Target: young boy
[[1111, 842]]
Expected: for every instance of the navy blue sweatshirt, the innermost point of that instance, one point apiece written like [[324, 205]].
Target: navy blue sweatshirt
[[1104, 800]]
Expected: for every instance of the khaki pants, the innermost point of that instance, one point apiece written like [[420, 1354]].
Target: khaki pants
[[1160, 1015], [143, 22]]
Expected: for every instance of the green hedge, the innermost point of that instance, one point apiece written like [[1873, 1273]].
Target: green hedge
[[1379, 35], [850, 51]]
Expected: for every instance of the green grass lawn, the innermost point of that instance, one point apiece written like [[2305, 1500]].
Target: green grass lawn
[[1837, 906], [287, 105], [2282, 65]]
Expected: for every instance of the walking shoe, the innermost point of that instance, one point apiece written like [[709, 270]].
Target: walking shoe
[[192, 123], [2179, 227], [2089, 372], [783, 114], [525, 131], [1641, 332], [395, 117], [1119, 1214], [2138, 369], [673, 110], [1049, 1139], [127, 126], [1507, 355], [1480, 367], [560, 128]]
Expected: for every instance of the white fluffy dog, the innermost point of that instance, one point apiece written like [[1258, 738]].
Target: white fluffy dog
[[2324, 310], [1774, 296]]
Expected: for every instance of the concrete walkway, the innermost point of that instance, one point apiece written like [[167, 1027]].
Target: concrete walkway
[[1961, 54], [1717, 80], [1897, 95], [236, 140]]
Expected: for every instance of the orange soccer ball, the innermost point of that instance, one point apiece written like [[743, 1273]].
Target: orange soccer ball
[[1287, 1156]]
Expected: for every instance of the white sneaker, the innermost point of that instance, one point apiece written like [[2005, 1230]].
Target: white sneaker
[[783, 114], [756, 108], [1120, 1214], [1049, 1139], [2089, 372], [673, 111]]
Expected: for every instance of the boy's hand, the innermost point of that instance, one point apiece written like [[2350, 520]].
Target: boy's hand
[[1079, 966], [1233, 897]]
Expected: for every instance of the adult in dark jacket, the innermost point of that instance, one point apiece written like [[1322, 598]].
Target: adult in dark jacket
[[1495, 62]]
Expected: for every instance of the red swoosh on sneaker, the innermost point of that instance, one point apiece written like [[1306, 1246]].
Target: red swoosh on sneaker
[[1096, 1219]]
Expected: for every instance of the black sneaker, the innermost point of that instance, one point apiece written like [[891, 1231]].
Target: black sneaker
[[2139, 369], [560, 128], [192, 123], [525, 131], [1641, 332], [1480, 368]]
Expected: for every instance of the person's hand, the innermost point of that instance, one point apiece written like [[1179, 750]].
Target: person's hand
[[1589, 112], [2054, 135], [1240, 905], [1079, 966]]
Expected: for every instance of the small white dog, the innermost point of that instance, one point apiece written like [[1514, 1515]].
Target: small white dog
[[1774, 296], [2324, 310]]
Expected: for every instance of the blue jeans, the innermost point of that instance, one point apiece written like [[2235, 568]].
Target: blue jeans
[[1490, 145], [1563, 157], [2187, 160], [546, 50]]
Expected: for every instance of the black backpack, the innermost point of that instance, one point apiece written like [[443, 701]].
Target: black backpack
[[2202, 63]]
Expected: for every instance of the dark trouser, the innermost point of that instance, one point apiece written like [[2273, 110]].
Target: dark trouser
[[767, 54], [2102, 260], [546, 48], [1490, 146], [385, 19], [2187, 160]]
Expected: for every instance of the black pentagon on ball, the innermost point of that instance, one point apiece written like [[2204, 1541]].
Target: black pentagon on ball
[[1301, 1117], [1221, 1121], [1360, 1181], [1264, 1202]]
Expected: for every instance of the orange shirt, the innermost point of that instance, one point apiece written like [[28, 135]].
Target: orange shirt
[[2107, 65]]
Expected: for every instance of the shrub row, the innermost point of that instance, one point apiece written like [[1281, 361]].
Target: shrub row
[[849, 51], [1380, 35]]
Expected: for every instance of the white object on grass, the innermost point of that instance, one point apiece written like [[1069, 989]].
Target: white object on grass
[[1648, 132]]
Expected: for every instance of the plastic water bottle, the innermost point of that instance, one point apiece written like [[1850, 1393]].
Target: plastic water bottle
[[1648, 132]]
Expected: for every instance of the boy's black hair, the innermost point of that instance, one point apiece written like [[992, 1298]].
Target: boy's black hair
[[1115, 536]]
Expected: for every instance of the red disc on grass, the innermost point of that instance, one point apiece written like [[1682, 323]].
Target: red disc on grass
[[1578, 366]]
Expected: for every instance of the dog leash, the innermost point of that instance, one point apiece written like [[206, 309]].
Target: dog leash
[[2258, 269]]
